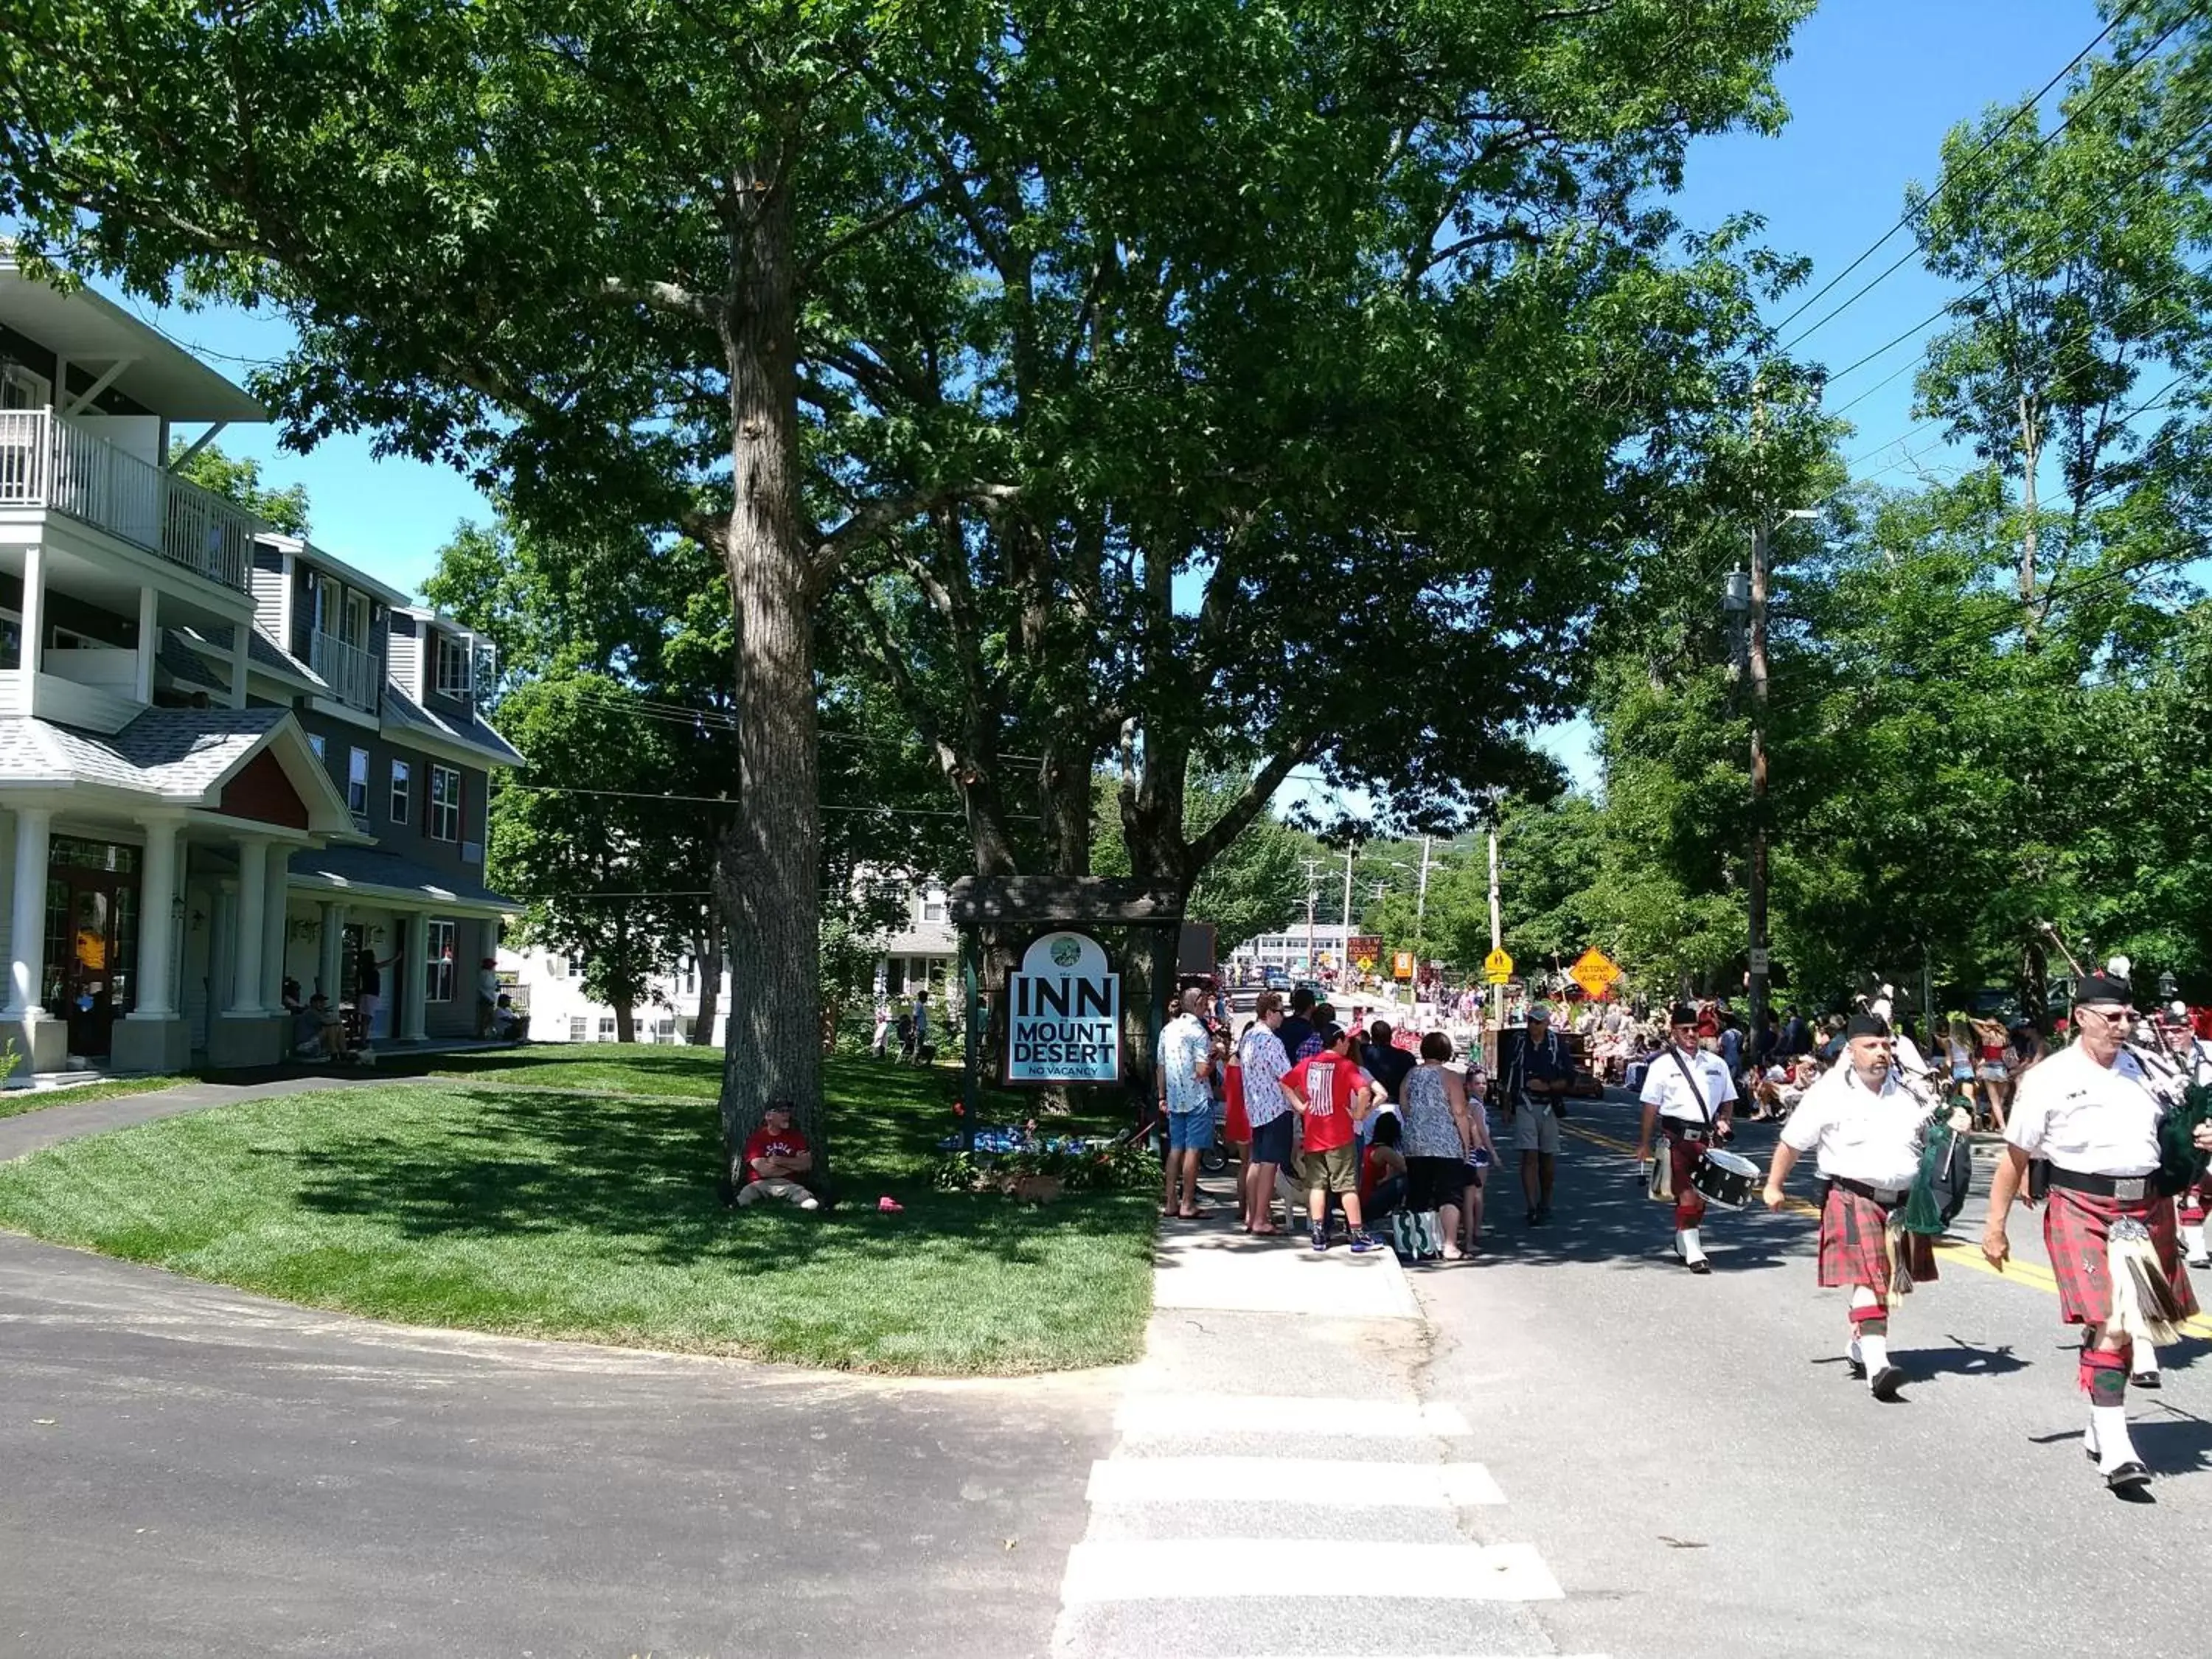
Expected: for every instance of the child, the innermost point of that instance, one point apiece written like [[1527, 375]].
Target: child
[[1382, 1169]]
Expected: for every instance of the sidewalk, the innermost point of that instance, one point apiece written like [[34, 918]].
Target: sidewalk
[[1282, 1482]]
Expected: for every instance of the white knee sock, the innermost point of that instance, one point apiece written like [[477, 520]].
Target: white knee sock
[[2145, 1362], [2192, 1240], [1686, 1241], [2108, 1433], [1874, 1353]]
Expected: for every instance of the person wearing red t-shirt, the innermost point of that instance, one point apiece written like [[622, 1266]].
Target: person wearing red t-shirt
[[775, 1155], [1332, 1095]]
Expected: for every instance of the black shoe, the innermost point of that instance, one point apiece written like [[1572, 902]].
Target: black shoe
[[1887, 1382], [1534, 1216], [1701, 1266], [2144, 1380], [1855, 1370], [2129, 1477], [1543, 1215]]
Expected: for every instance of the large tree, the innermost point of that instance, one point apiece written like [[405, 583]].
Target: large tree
[[782, 280]]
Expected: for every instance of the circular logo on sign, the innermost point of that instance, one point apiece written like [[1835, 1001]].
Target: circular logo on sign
[[1067, 952]]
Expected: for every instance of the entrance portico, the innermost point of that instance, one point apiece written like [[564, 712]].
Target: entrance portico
[[117, 849]]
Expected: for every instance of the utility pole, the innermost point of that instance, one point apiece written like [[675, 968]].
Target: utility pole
[[1313, 897], [1420, 917], [1497, 938], [1758, 678], [1348, 853]]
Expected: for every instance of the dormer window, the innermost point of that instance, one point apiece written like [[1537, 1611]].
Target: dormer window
[[451, 676]]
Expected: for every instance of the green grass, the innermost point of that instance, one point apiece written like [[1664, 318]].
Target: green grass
[[555, 1211], [16, 1102]]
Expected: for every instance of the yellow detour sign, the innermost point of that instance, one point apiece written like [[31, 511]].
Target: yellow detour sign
[[1365, 965], [1401, 964], [1498, 967], [1595, 971]]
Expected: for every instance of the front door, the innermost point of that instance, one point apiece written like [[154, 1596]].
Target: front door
[[92, 940]]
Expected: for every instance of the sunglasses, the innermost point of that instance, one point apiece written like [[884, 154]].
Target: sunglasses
[[2112, 1015]]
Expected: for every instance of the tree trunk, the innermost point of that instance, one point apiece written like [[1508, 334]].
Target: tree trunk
[[625, 1022], [769, 861], [709, 958]]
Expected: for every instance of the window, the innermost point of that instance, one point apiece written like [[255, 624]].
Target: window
[[687, 976], [557, 967], [445, 814], [579, 1028], [932, 906], [357, 782], [452, 679], [606, 1027], [20, 389], [403, 778], [437, 971], [315, 743]]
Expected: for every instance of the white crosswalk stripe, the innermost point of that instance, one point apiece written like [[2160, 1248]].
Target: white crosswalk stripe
[[1176, 1417], [1192, 1569], [1341, 1483]]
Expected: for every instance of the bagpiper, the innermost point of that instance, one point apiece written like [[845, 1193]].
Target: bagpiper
[[2090, 1110], [1870, 1128]]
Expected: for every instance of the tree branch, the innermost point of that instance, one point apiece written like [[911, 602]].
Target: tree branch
[[670, 299], [1250, 802], [871, 518]]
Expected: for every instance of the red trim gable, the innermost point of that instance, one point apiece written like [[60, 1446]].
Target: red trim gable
[[262, 792]]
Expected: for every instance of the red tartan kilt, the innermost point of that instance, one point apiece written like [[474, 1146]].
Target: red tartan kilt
[[1855, 1245], [2075, 1225], [2195, 1203]]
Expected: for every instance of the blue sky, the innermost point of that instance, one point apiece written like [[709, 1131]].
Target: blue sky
[[1872, 87]]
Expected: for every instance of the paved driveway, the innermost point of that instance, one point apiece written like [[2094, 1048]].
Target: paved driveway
[[186, 1470]]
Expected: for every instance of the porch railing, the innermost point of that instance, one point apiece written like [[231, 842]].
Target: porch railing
[[351, 671], [50, 462]]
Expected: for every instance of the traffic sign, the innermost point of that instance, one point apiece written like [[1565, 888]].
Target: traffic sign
[[1758, 959], [1401, 965], [1595, 971], [1498, 967]]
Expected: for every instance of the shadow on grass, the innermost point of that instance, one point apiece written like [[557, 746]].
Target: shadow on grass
[[641, 1176]]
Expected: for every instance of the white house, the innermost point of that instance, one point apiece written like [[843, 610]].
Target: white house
[[548, 987], [226, 759]]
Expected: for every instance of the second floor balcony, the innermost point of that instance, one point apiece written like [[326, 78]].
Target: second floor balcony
[[350, 670], [46, 461]]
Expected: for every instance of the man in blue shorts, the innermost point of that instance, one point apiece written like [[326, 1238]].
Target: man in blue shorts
[[1186, 1062]]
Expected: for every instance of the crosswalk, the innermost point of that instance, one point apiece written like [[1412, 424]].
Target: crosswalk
[[1229, 1526]]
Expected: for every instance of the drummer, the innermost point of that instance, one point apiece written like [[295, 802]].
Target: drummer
[[2090, 1111], [1868, 1128], [1692, 1092], [2194, 1055]]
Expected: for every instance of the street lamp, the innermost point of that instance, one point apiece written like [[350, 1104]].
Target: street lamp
[[2168, 986]]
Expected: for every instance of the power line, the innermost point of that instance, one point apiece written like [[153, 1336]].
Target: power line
[[1942, 182], [2041, 144]]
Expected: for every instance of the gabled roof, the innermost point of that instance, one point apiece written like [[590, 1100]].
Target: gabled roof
[[402, 711], [179, 756], [96, 333]]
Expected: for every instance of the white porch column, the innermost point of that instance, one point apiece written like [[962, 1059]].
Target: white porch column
[[223, 944], [157, 893], [274, 920], [149, 641], [415, 977], [240, 655], [252, 912], [34, 614], [27, 929], [330, 968]]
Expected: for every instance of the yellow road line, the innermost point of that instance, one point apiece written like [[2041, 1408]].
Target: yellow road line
[[2033, 1275]]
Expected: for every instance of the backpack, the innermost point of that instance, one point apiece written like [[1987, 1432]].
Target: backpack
[[1416, 1235]]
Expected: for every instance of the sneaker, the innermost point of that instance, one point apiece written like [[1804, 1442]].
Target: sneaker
[[1319, 1242], [1362, 1242]]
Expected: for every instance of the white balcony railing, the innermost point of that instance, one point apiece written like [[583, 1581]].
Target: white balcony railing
[[351, 671], [46, 461]]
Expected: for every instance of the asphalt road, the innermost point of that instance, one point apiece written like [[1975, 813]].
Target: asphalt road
[[186, 1470], [1690, 1459]]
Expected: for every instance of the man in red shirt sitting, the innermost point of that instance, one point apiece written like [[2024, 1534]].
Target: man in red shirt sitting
[[773, 1159], [1331, 1095]]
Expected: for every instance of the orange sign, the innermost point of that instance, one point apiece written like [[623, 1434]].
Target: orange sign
[[1401, 964], [1595, 971]]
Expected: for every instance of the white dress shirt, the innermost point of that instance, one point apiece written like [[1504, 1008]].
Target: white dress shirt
[[1873, 1138], [1665, 1086], [2087, 1118]]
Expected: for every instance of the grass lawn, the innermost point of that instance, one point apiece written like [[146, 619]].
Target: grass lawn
[[16, 1102], [458, 1201]]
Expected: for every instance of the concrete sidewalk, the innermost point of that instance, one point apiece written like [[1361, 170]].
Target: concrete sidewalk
[[1282, 1481]]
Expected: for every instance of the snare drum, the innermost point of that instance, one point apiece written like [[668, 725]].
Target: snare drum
[[1727, 1179]]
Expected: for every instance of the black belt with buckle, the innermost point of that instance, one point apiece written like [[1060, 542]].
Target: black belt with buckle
[[1888, 1197], [1692, 1132], [2128, 1190]]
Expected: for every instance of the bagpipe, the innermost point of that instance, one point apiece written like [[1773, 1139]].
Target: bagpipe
[[1941, 1184], [2186, 1102]]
